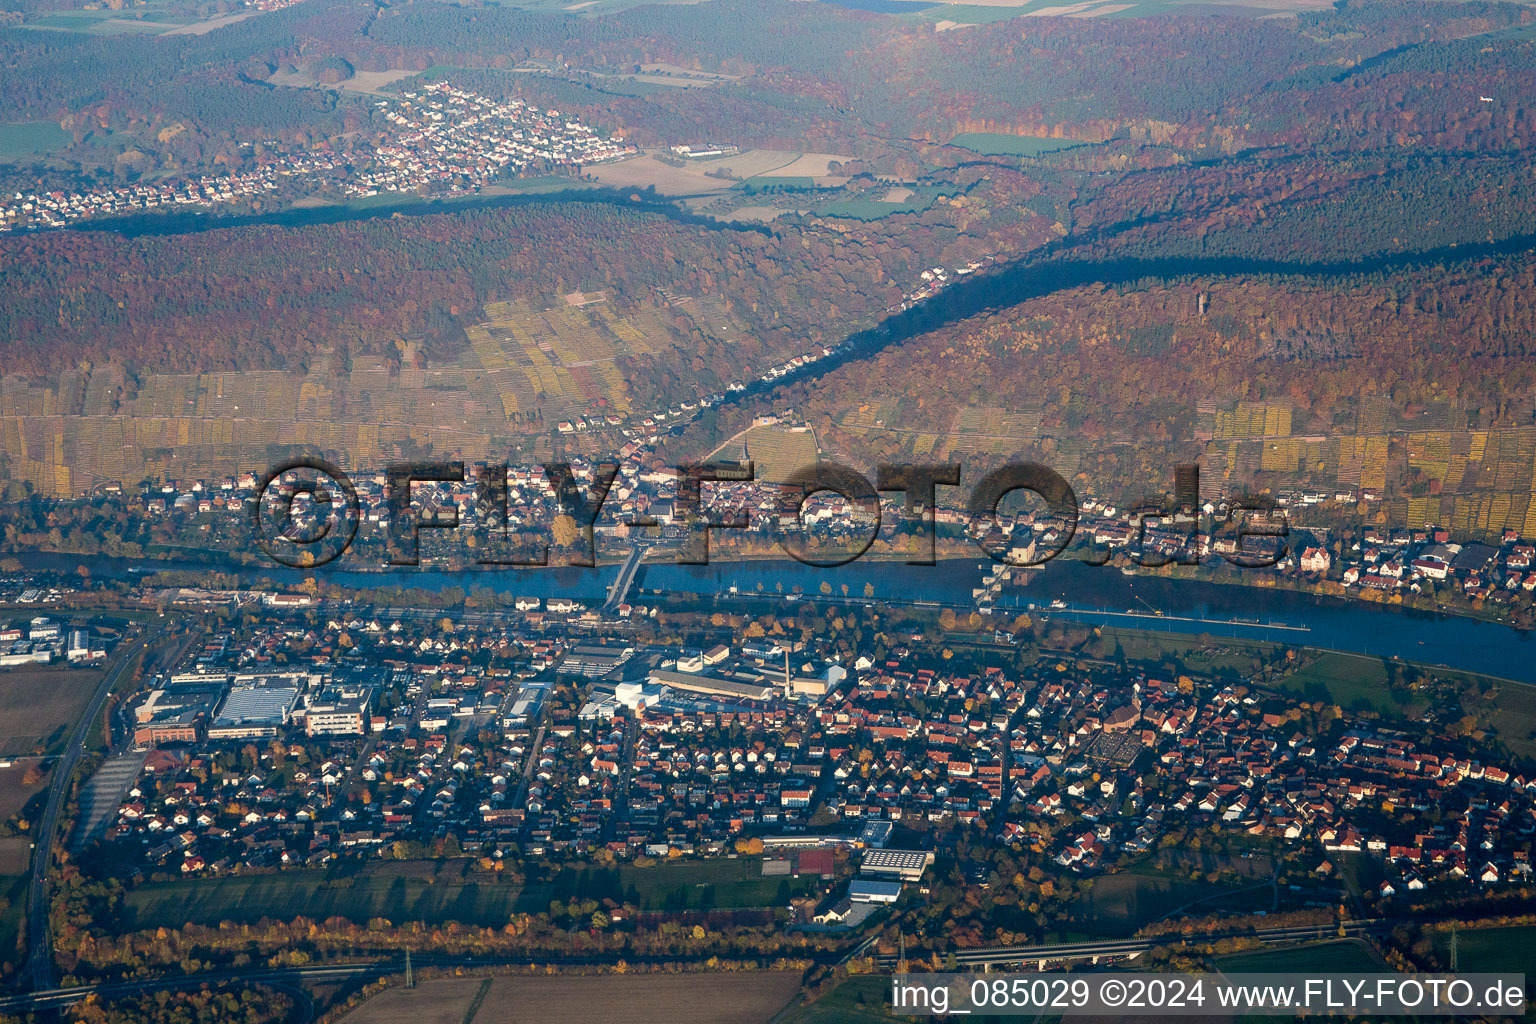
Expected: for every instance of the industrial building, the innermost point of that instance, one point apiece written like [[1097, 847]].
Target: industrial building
[[907, 865], [255, 709], [713, 686]]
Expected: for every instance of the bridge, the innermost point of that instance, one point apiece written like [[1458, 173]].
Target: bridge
[[626, 578]]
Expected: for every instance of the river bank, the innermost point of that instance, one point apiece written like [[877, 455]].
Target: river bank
[[1069, 590]]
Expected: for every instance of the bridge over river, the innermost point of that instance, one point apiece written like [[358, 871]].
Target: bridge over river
[[618, 590]]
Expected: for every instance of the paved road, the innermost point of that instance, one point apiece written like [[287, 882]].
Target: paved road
[[41, 958], [1130, 947], [104, 791], [620, 587], [289, 978]]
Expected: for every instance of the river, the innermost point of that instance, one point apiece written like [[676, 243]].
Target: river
[[1099, 596]]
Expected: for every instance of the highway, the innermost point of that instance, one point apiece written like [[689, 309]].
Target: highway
[[288, 979], [997, 955], [40, 959]]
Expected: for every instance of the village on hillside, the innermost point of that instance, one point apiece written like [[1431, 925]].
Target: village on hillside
[[447, 141]]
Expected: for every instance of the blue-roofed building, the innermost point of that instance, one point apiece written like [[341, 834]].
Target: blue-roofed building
[[254, 710]]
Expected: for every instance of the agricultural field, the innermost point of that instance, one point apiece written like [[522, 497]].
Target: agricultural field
[[947, 17], [144, 19], [1120, 903], [743, 998], [432, 1001], [99, 23], [202, 28], [861, 1000], [15, 858], [754, 168], [881, 203], [972, 430], [662, 77], [368, 83], [1493, 950], [560, 362], [437, 892], [525, 369], [535, 185], [407, 891], [1253, 419], [644, 172], [529, 367], [716, 883], [1485, 477], [1343, 956], [27, 140], [38, 707], [740, 998], [593, 8], [1355, 681], [776, 452], [15, 791], [994, 144], [758, 214], [15, 854]]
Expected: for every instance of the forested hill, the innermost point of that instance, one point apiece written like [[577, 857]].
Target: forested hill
[[876, 158], [1381, 377], [267, 296], [1392, 73], [271, 296]]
